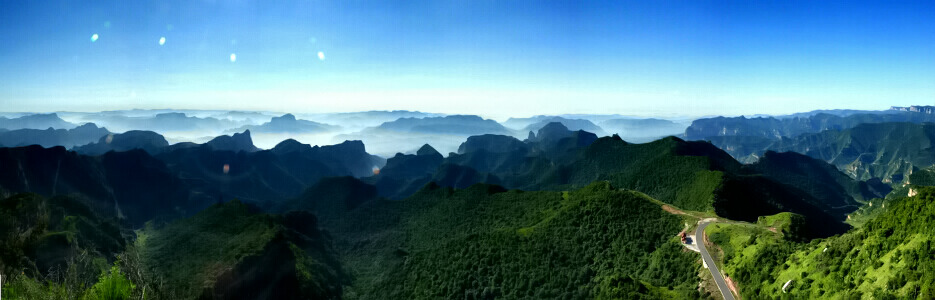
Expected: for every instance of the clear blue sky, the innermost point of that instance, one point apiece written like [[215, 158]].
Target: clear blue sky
[[494, 58]]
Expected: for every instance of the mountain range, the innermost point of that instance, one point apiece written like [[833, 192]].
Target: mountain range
[[823, 204], [886, 151], [77, 136], [35, 121], [776, 128], [288, 124]]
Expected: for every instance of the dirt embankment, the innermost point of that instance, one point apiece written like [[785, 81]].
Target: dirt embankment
[[732, 286], [672, 210]]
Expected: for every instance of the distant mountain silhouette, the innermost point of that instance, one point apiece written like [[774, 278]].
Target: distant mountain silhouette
[[491, 143], [457, 125], [837, 112], [639, 129], [81, 135], [236, 142], [774, 128], [288, 123], [242, 116], [570, 124], [289, 146], [162, 122], [36, 121], [224, 170], [151, 142], [371, 118], [554, 138]]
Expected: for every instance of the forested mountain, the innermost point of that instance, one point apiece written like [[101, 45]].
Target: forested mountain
[[229, 251], [833, 190], [404, 174], [690, 175], [40, 236], [78, 136], [131, 186], [184, 178], [266, 176], [485, 242], [878, 150]]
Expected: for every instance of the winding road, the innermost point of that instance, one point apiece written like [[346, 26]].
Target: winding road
[[721, 284]]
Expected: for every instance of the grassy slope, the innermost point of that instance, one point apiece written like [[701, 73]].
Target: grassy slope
[[888, 257]]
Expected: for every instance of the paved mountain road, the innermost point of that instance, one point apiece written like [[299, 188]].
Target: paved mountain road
[[721, 284]]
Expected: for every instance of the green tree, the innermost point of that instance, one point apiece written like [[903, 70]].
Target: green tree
[[113, 285]]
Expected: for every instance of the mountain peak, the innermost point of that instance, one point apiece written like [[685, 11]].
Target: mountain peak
[[553, 131], [245, 135], [427, 150], [290, 145], [87, 126], [237, 142], [171, 115], [553, 126], [284, 118]]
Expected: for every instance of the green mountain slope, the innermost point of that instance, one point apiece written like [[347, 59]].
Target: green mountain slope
[[229, 252], [40, 236], [690, 175], [486, 242], [889, 257]]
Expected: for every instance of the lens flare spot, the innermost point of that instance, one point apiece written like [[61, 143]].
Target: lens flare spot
[[321, 55], [94, 37], [162, 41], [233, 57], [109, 139], [376, 171], [226, 168]]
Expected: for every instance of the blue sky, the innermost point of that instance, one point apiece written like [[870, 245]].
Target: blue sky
[[494, 58]]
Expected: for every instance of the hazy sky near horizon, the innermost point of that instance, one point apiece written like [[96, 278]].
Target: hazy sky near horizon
[[493, 58]]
